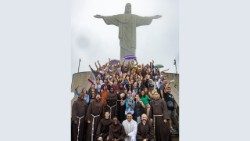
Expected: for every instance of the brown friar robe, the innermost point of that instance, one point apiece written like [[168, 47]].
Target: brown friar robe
[[116, 131], [95, 110], [111, 104], [78, 115], [145, 131], [158, 112], [103, 128]]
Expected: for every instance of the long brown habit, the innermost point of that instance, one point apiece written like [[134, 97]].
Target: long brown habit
[[103, 128], [158, 113], [78, 114], [145, 131], [111, 104], [116, 131], [94, 113]]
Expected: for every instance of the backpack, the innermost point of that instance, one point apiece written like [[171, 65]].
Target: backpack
[[170, 102]]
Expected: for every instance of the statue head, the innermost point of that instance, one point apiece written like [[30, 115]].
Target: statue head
[[128, 8]]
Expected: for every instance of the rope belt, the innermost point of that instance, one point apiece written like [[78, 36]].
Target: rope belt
[[93, 125], [110, 110], [94, 116], [158, 115], [78, 128]]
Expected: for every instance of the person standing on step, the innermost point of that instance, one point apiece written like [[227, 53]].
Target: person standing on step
[[94, 113], [171, 105], [111, 103], [77, 119], [159, 116]]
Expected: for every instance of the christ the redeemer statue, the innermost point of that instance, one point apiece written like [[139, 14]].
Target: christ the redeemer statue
[[127, 24]]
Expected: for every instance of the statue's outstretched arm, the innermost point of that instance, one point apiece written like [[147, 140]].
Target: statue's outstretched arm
[[156, 17], [109, 20], [140, 21], [98, 16]]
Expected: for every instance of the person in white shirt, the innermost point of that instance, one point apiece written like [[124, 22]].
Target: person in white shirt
[[130, 127]]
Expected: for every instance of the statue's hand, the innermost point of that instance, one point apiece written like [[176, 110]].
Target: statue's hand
[[157, 16], [98, 16]]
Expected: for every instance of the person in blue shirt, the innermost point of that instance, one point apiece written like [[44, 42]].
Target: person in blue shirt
[[129, 104], [86, 96]]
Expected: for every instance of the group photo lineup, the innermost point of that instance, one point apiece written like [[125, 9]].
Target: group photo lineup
[[125, 70]]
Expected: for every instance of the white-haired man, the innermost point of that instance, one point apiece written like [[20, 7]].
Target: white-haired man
[[145, 131]]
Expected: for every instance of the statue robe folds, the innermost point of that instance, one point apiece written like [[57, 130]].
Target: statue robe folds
[[127, 24]]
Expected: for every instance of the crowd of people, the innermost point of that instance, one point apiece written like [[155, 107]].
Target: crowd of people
[[126, 102]]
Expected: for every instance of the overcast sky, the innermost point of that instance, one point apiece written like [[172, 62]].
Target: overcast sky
[[93, 40]]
